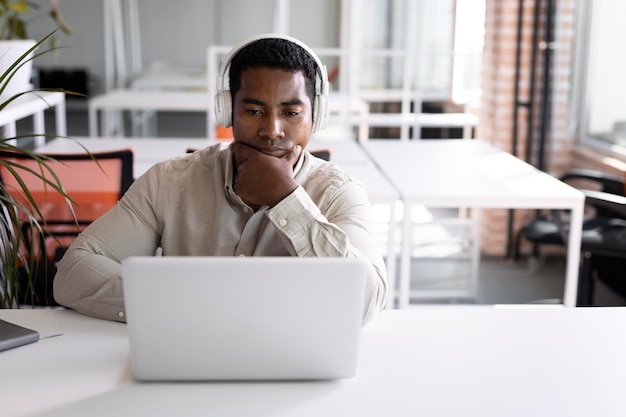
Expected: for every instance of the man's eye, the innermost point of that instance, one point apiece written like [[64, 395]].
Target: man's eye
[[292, 113], [253, 111]]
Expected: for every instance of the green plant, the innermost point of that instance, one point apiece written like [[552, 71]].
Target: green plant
[[17, 271], [13, 14]]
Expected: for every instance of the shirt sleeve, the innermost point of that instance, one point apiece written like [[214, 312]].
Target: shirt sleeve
[[343, 229], [88, 277]]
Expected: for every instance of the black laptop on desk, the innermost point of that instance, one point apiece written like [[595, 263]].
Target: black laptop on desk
[[12, 335]]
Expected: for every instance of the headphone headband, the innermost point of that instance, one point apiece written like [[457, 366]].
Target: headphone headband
[[223, 98]]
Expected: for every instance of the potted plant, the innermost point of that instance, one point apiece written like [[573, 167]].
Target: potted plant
[[18, 271], [14, 40]]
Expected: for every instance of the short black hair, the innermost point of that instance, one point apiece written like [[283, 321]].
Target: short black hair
[[275, 53]]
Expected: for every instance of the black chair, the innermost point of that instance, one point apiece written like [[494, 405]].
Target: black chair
[[604, 229], [94, 182], [321, 153]]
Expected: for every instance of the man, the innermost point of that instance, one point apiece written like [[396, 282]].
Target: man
[[263, 195]]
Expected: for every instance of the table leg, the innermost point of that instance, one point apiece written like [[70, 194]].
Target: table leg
[[60, 117], [475, 251], [10, 131], [391, 257], [39, 125], [405, 260], [93, 121], [573, 255]]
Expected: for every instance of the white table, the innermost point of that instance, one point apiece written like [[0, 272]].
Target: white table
[[168, 79], [428, 361], [416, 121], [34, 104], [147, 151], [348, 154], [113, 103], [472, 174]]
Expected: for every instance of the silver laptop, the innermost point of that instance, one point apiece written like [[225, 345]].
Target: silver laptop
[[235, 318]]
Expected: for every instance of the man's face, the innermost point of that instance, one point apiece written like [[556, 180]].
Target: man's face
[[272, 111]]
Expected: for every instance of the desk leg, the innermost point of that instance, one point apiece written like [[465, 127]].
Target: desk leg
[[573, 255], [391, 257], [93, 121], [405, 260], [10, 131], [60, 118], [105, 123], [363, 134], [475, 251], [39, 125], [110, 123], [151, 124]]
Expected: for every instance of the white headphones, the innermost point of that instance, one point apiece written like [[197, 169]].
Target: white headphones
[[223, 98]]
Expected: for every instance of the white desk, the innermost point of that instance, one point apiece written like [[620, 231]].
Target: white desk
[[147, 151], [34, 104], [348, 154], [171, 79], [114, 102], [473, 174], [428, 361], [414, 120]]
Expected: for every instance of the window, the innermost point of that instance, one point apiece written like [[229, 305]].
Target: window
[[604, 64], [445, 38]]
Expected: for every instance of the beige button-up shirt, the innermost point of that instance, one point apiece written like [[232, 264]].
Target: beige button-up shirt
[[186, 207]]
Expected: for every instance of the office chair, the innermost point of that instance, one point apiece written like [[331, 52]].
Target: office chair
[[93, 181], [603, 241], [321, 153]]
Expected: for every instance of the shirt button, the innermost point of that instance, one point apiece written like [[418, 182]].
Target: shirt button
[[282, 222], [120, 314]]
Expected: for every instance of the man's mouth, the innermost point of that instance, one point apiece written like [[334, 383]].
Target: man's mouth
[[274, 151]]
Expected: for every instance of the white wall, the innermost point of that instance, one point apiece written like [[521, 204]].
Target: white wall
[[178, 32], [86, 47]]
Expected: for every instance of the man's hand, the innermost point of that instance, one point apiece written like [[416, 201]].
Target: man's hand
[[262, 179]]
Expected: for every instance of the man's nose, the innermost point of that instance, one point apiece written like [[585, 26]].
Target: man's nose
[[272, 126]]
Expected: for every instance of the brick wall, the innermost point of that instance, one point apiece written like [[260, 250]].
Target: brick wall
[[497, 106]]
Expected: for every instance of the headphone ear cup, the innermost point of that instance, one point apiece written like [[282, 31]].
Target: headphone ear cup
[[227, 110], [316, 114], [320, 112], [223, 108]]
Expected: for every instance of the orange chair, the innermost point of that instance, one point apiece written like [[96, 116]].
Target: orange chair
[[94, 183]]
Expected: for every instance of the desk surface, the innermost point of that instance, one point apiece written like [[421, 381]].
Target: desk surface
[[29, 104], [473, 173], [194, 100], [467, 173], [149, 151], [430, 361], [348, 154], [151, 100]]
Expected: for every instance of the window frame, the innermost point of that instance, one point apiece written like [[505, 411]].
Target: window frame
[[582, 83]]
